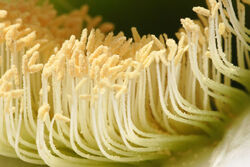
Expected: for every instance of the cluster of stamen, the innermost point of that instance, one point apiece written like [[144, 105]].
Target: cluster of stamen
[[70, 98]]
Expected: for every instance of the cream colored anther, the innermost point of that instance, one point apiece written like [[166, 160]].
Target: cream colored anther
[[47, 70], [33, 58], [189, 25], [35, 68], [113, 60], [24, 32], [3, 14], [144, 51], [5, 87], [105, 83], [106, 27], [101, 59], [132, 75], [214, 7], [151, 57], [114, 70], [32, 50], [172, 48], [69, 46], [16, 93], [101, 49], [125, 47], [43, 110], [11, 36], [108, 39], [91, 42], [3, 25], [117, 87], [29, 65], [201, 11], [26, 41], [157, 42], [135, 34], [126, 63], [11, 27], [12, 72], [222, 28], [83, 39], [61, 117]]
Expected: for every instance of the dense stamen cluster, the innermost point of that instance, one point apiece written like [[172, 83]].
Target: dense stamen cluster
[[102, 98]]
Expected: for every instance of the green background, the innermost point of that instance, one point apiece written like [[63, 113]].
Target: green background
[[149, 16]]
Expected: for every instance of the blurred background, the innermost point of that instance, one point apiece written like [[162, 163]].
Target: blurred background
[[149, 16]]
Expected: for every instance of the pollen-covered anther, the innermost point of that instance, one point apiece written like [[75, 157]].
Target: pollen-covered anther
[[23, 32], [10, 28], [33, 58], [35, 68], [157, 42], [132, 75], [214, 7], [16, 93], [201, 11], [29, 64], [3, 14], [105, 83], [172, 48], [114, 70], [151, 57], [61, 117], [26, 40], [11, 36], [117, 87], [126, 63], [106, 27], [135, 34], [101, 49], [43, 110], [222, 28], [189, 25], [12, 72], [32, 49], [5, 87], [144, 51]]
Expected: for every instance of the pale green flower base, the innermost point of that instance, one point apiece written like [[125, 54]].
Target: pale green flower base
[[12, 162], [232, 151]]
